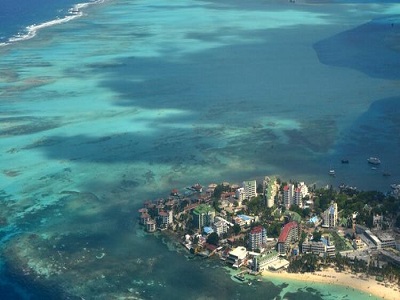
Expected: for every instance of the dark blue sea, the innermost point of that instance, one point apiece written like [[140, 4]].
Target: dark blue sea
[[16, 15]]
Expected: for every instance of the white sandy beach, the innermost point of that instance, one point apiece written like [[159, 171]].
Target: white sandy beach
[[352, 281]]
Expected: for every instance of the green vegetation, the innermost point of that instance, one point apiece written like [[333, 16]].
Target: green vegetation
[[293, 215], [256, 206], [366, 204], [317, 235], [305, 263], [303, 213], [340, 243]]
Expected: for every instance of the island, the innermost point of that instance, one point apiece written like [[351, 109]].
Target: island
[[276, 229]]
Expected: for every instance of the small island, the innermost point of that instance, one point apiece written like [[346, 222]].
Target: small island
[[275, 229]]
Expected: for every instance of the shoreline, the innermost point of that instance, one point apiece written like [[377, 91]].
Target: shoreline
[[354, 281]]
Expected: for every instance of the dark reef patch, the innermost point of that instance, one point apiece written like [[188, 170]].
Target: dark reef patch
[[14, 126]]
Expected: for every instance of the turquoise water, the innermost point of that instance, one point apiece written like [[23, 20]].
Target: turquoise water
[[135, 98]]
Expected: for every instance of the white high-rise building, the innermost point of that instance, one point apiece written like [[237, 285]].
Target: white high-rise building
[[300, 192], [331, 216], [250, 188], [288, 193], [303, 189], [240, 194], [220, 227]]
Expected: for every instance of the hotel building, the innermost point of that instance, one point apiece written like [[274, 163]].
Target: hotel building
[[261, 262], [331, 216], [237, 257], [250, 189], [203, 215], [220, 227], [289, 234], [165, 218], [288, 193], [257, 238], [324, 246], [240, 195]]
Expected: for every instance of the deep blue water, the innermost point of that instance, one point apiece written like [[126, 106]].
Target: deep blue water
[[16, 15]]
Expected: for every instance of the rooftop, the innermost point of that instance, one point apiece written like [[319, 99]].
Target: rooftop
[[269, 255], [239, 252], [257, 229], [208, 230], [285, 231], [203, 209]]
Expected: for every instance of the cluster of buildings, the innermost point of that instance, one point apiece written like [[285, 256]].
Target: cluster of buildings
[[195, 214], [293, 194]]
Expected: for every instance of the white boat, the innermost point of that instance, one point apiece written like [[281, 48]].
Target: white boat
[[332, 172], [374, 160]]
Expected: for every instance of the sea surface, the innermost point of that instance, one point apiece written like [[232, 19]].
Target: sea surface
[[104, 106]]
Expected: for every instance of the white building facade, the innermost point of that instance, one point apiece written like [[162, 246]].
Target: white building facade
[[250, 189]]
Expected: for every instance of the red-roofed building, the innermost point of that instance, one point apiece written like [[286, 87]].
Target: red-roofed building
[[289, 234], [257, 238]]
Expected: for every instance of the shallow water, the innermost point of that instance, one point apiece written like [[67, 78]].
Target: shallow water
[[134, 99]]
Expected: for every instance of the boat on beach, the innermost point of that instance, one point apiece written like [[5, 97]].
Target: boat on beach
[[374, 160]]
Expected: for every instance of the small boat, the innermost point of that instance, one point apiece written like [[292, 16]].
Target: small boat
[[374, 160], [386, 174], [332, 172], [345, 161], [240, 277]]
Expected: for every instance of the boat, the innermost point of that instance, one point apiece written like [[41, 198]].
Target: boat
[[345, 161], [386, 174], [374, 160], [332, 172], [240, 277]]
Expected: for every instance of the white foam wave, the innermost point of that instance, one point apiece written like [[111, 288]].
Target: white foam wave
[[31, 31]]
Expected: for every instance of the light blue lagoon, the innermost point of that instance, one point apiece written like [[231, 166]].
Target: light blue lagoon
[[136, 98]]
